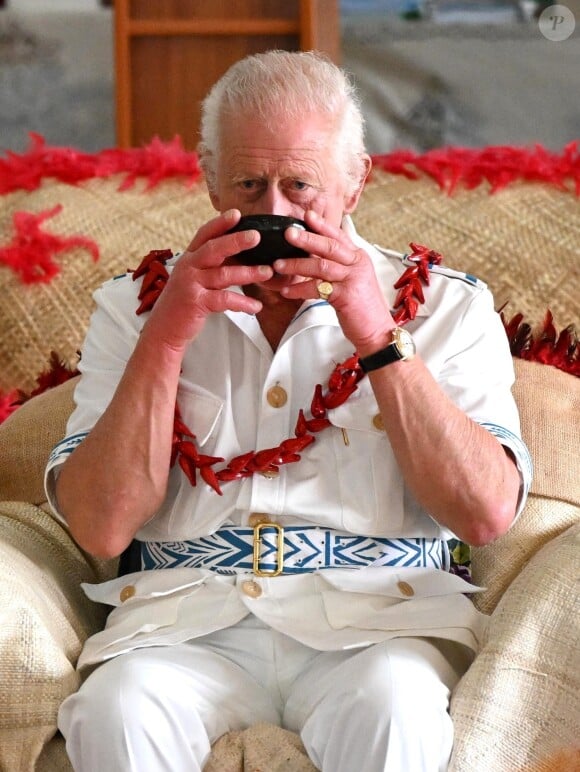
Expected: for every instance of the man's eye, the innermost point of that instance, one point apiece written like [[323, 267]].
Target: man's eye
[[248, 184], [300, 185]]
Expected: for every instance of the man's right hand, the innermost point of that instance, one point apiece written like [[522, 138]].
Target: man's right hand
[[198, 284]]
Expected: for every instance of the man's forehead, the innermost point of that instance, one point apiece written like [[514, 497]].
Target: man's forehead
[[269, 165], [275, 156]]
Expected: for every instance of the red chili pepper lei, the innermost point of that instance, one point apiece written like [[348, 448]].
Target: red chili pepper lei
[[159, 255], [239, 463], [210, 478], [300, 430], [296, 444], [317, 406], [188, 467], [341, 383]]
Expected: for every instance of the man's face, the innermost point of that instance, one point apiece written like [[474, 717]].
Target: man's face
[[285, 171]]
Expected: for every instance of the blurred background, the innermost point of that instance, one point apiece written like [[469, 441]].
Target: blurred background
[[431, 72]]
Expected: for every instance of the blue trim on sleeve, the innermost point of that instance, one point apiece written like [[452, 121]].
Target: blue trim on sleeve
[[521, 454], [64, 448]]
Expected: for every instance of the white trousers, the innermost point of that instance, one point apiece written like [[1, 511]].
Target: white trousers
[[381, 708]]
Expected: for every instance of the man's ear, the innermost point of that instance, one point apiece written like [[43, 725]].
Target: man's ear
[[351, 201]]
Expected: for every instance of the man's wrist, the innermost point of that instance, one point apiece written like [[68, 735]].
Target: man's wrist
[[376, 343], [400, 348]]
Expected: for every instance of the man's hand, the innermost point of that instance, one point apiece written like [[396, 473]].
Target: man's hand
[[198, 284], [360, 305]]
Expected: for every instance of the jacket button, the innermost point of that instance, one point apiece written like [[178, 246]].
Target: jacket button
[[378, 422], [405, 589], [277, 396], [127, 592], [251, 589]]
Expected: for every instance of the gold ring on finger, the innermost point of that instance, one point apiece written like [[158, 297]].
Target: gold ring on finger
[[325, 290]]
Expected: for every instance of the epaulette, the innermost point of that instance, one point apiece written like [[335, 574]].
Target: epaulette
[[450, 273]]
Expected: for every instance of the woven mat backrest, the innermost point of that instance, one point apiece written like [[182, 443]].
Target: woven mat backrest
[[523, 241]]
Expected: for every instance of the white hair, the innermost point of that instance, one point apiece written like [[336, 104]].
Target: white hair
[[291, 84]]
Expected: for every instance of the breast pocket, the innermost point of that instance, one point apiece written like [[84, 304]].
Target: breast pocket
[[200, 410], [370, 482]]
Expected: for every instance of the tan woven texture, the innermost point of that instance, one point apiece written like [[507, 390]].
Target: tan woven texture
[[27, 438], [54, 757], [36, 319], [524, 241], [261, 748], [549, 405], [45, 619], [518, 706]]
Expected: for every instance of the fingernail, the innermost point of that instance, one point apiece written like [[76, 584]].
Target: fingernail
[[230, 214], [265, 270], [249, 236], [281, 264]]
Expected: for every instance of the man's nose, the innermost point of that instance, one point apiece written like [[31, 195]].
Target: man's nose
[[275, 202]]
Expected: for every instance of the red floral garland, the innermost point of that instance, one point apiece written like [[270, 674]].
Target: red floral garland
[[341, 384]]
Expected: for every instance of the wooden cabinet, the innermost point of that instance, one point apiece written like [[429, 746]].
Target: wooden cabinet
[[170, 52]]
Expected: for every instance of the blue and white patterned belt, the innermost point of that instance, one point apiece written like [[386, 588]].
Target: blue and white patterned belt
[[269, 549]]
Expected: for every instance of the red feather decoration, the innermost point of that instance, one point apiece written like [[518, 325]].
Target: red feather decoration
[[561, 350], [30, 253], [499, 165]]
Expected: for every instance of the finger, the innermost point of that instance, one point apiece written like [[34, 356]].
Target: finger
[[228, 275], [314, 267], [335, 247], [218, 249], [213, 228], [188, 273], [318, 224], [226, 300], [309, 290]]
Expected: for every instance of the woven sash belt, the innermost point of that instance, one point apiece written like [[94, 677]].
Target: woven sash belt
[[269, 549]]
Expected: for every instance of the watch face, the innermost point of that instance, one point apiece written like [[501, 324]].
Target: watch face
[[404, 343]]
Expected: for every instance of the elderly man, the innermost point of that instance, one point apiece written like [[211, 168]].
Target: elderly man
[[288, 446]]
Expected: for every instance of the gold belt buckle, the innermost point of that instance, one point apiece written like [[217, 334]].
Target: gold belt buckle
[[258, 545]]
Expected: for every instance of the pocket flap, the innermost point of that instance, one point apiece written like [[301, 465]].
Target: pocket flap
[[360, 412]]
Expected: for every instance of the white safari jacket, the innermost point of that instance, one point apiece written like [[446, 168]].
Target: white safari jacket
[[356, 487]]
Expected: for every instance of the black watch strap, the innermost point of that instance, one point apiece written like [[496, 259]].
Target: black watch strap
[[385, 356]]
